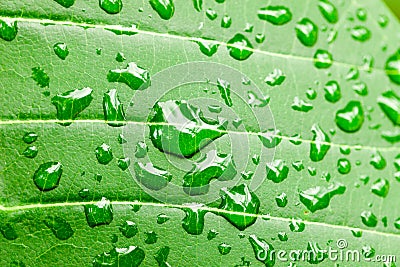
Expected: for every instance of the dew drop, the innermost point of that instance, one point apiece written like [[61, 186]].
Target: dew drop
[[255, 101], [207, 47], [296, 225], [61, 50], [276, 15], [276, 77], [30, 152], [360, 33], [392, 67], [65, 3], [113, 109], [360, 88], [332, 91], [343, 166], [320, 145], [123, 163], [193, 222], [162, 218], [8, 29], [263, 251], [328, 11], [319, 197], [383, 20], [239, 47], [104, 154], [380, 187], [211, 14], [389, 102], [281, 200], [141, 149], [161, 255], [282, 236], [164, 8], [298, 165], [260, 38], [277, 171], [128, 229], [213, 234], [111, 6], [30, 137], [48, 175], [369, 219], [224, 88], [351, 118], [322, 59], [301, 105], [270, 138], [226, 21], [198, 5], [307, 32], [377, 161], [83, 193], [224, 248], [133, 75], [99, 213]]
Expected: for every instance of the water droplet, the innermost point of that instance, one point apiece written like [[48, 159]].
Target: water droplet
[[151, 176], [351, 117], [128, 229], [162, 218], [392, 67], [65, 3], [263, 251], [30, 152], [369, 219], [319, 197], [380, 187], [276, 15], [277, 171], [360, 33], [377, 161], [212, 234], [239, 47], [322, 59], [361, 14], [360, 88], [283, 236], [301, 105], [207, 46], [352, 74], [131, 256], [397, 224], [328, 11], [298, 165], [48, 175], [276, 77], [83, 193], [121, 139], [30, 137], [237, 122], [256, 159], [255, 101], [226, 21], [389, 102], [320, 144], [224, 88], [141, 149], [60, 227], [61, 50], [98, 177], [247, 175], [198, 5], [8, 29], [343, 166], [270, 138], [133, 75], [71, 103], [214, 108], [193, 222], [383, 20], [99, 51], [104, 154], [224, 248], [113, 109], [8, 231], [307, 32], [99, 213], [332, 91], [40, 77], [212, 166], [123, 163], [164, 8], [178, 128], [296, 225], [211, 14], [312, 170], [241, 200], [162, 255], [281, 200], [260, 38], [295, 139], [356, 233], [367, 251], [311, 94]]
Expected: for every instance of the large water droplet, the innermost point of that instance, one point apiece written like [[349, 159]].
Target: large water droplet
[[151, 176], [131, 256], [104, 154], [322, 59], [61, 50], [133, 75], [380, 187], [99, 213], [198, 5], [239, 47], [307, 32], [164, 8], [193, 222], [369, 219], [179, 128], [239, 199], [113, 109], [332, 91], [212, 166], [328, 11], [389, 102], [319, 197], [360, 33], [277, 15], [320, 144], [277, 171], [71, 103], [8, 29], [48, 175], [59, 226], [351, 117], [263, 251]]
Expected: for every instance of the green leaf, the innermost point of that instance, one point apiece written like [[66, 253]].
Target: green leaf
[[204, 133]]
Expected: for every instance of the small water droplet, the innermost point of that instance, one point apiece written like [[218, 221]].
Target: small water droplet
[[361, 14], [162, 218], [226, 21], [392, 67], [65, 3], [283, 236], [48, 175], [212, 234], [260, 38], [389, 102], [113, 109], [198, 5], [281, 200], [301, 105], [367, 251], [352, 74], [224, 248], [383, 20], [277, 171], [295, 139], [164, 8], [247, 175], [141, 149], [99, 213], [356, 233], [343, 166], [312, 170], [83, 193], [211, 14], [276, 15], [121, 139], [276, 77], [377, 161], [61, 50], [296, 225], [133, 75], [298, 165], [151, 176], [30, 137], [351, 118], [193, 222], [120, 57], [241, 200], [104, 154], [239, 47], [380, 187], [131, 256], [60, 227], [397, 224], [331, 36], [128, 229], [255, 101], [322, 59], [360, 88], [320, 145], [369, 219], [311, 94], [71, 103], [328, 11], [123, 163], [307, 32], [30, 152], [161, 255], [207, 46], [319, 197], [8, 29], [270, 138], [360, 33], [98, 177], [332, 91], [249, 27]]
